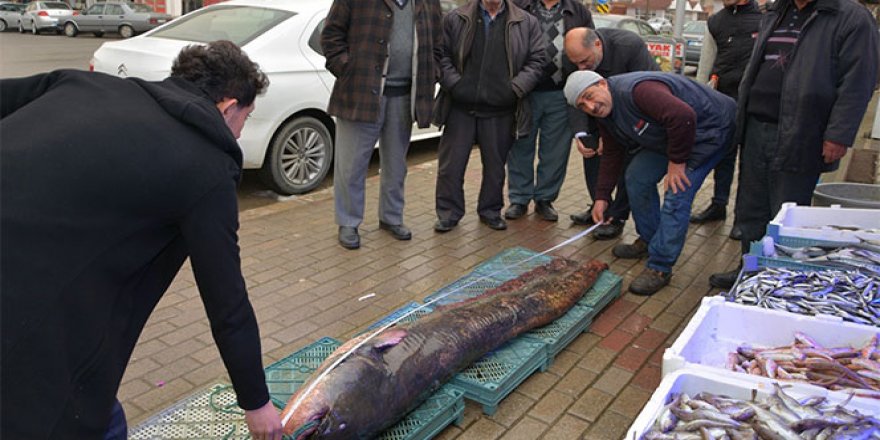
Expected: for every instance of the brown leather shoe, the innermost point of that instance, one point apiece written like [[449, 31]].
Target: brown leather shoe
[[634, 251], [649, 282]]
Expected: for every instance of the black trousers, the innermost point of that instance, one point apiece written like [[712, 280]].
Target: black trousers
[[494, 135], [618, 208], [762, 191]]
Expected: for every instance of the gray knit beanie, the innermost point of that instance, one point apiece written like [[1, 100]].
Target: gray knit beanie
[[577, 82]]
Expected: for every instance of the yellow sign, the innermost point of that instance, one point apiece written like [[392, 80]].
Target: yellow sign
[[602, 8]]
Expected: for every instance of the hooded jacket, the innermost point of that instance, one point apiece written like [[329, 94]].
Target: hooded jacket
[[525, 58], [98, 215], [826, 86]]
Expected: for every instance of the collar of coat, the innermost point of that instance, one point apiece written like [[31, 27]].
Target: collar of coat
[[752, 4], [821, 5], [470, 10]]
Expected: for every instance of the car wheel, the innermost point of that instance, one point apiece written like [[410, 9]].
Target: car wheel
[[126, 31], [34, 29], [299, 156], [3, 26], [98, 34], [20, 27], [70, 30]]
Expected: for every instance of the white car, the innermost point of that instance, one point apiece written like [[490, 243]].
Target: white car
[[661, 24], [289, 137]]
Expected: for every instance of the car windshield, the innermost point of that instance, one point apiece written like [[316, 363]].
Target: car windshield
[[55, 5], [141, 8], [695, 27], [239, 24], [602, 22]]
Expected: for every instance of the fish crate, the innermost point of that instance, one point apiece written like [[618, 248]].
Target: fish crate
[[692, 382], [756, 260], [408, 313], [464, 288], [510, 263], [606, 288], [208, 414], [559, 333], [825, 223], [489, 380], [434, 414]]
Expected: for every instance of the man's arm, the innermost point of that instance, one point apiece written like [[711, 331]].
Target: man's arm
[[18, 92], [210, 230], [334, 37], [449, 75], [611, 165], [707, 58], [527, 78]]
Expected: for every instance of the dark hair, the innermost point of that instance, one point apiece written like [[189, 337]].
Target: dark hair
[[590, 37], [221, 70]]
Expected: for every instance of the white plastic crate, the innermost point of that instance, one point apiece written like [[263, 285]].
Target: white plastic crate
[[824, 223], [719, 327], [693, 381]]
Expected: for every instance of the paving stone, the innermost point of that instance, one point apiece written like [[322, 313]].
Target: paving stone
[[527, 429], [538, 384], [551, 406], [591, 404], [483, 429], [512, 409], [568, 427], [630, 402], [613, 380], [576, 381], [648, 378], [632, 358], [610, 426], [597, 359], [616, 340]]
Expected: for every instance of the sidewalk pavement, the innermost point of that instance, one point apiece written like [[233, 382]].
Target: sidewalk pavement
[[304, 286]]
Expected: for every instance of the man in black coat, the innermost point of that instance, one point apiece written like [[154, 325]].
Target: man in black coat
[[608, 52], [802, 98], [96, 223]]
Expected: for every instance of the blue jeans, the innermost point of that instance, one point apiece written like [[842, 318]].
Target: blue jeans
[[118, 428], [664, 228], [550, 127]]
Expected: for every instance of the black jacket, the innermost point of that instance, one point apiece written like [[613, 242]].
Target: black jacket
[[827, 85], [574, 14], [734, 30], [108, 185]]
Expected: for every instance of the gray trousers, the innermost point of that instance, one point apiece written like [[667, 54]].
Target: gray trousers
[[355, 142]]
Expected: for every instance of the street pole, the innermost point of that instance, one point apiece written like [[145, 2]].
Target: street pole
[[679, 17]]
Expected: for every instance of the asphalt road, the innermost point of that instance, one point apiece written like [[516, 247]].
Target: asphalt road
[[26, 54]]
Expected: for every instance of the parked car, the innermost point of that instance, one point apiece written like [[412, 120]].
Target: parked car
[[668, 51], [127, 19], [693, 33], [289, 136], [661, 24], [10, 15], [39, 16]]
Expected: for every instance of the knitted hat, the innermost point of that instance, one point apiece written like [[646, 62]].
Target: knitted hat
[[577, 82]]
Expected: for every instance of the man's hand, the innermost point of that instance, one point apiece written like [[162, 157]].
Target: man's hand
[[676, 179], [589, 152], [599, 207], [264, 423], [832, 151]]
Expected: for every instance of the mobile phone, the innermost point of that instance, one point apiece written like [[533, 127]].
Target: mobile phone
[[583, 136]]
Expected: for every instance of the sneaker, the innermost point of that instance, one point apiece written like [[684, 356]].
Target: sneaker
[[546, 211], [649, 282], [349, 238], [496, 223], [445, 225], [609, 231], [515, 211], [583, 219], [724, 280], [399, 232], [634, 251], [714, 212]]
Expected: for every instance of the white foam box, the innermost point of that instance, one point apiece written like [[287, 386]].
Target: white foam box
[[719, 327], [693, 381], [818, 223]]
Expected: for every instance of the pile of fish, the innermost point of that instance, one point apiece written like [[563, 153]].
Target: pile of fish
[[854, 296], [777, 416], [864, 257], [854, 370], [375, 379]]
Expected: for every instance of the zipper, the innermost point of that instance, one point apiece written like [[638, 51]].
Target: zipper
[[797, 44]]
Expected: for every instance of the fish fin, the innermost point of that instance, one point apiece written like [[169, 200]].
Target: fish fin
[[389, 338]]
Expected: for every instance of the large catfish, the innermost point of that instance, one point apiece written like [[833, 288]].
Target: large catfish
[[393, 372]]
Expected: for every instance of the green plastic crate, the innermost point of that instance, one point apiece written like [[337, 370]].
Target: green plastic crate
[[286, 376], [489, 380], [604, 290], [559, 333], [411, 312]]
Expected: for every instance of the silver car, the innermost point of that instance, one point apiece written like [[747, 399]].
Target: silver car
[[40, 16], [10, 15], [128, 19]]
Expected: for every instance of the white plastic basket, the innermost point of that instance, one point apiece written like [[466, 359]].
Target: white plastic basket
[[824, 223]]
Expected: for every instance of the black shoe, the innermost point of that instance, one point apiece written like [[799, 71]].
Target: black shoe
[[609, 232], [399, 232], [584, 218], [495, 223], [724, 280], [546, 211], [445, 225], [712, 213], [515, 211], [349, 238], [736, 233], [649, 282], [634, 251]]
